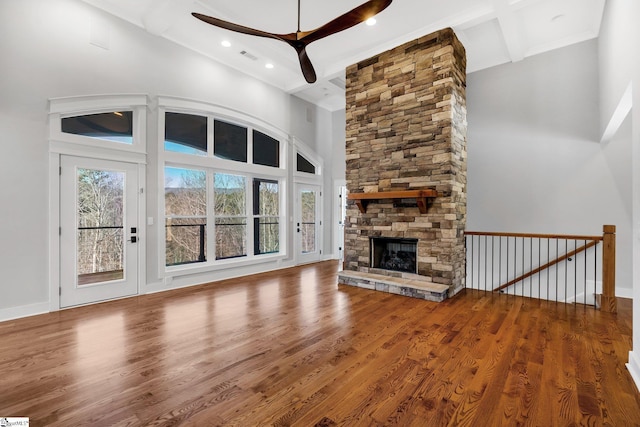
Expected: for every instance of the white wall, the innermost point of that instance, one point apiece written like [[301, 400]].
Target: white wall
[[535, 163], [46, 53], [339, 135], [620, 66], [330, 139]]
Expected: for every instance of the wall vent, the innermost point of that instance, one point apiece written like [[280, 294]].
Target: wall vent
[[339, 82], [248, 55]]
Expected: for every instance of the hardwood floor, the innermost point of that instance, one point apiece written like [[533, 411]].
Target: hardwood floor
[[294, 348]]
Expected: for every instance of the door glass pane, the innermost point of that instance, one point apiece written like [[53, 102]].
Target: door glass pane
[[100, 208], [308, 224]]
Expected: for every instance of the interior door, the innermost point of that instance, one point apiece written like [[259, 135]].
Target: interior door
[[308, 223], [98, 230]]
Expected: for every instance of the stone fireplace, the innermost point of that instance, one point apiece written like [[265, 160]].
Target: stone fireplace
[[406, 168]]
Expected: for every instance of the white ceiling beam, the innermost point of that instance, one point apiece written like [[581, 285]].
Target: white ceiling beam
[[509, 28], [161, 16]]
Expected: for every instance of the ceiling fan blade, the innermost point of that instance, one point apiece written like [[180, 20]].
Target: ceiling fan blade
[[347, 20], [235, 27], [305, 64]]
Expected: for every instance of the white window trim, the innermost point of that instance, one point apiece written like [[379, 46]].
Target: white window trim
[[212, 165], [304, 150], [65, 143], [61, 143]]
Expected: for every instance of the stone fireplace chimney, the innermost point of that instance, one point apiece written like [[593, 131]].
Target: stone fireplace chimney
[[406, 130]]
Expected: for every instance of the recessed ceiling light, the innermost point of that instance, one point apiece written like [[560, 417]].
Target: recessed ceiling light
[[371, 21], [226, 43], [269, 65]]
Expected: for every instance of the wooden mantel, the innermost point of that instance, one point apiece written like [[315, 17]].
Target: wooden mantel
[[421, 196]]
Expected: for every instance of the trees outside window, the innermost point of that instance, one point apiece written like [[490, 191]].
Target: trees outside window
[[266, 227], [185, 215], [231, 215], [100, 222]]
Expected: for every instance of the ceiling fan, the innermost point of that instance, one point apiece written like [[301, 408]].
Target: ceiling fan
[[300, 39]]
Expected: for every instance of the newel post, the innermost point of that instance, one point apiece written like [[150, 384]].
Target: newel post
[[608, 297]]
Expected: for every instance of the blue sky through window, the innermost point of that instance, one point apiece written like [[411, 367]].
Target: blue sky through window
[[181, 148]]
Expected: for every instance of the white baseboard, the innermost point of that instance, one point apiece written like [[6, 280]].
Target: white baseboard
[[152, 288], [634, 368], [328, 257], [178, 282], [23, 311], [624, 293]]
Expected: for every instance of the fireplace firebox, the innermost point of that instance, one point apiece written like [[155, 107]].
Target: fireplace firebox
[[394, 254]]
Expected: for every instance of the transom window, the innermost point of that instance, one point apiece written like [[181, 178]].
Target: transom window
[[304, 165], [114, 126], [266, 150], [185, 133], [230, 141]]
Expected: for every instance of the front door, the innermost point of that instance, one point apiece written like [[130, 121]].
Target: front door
[[308, 223], [98, 230]]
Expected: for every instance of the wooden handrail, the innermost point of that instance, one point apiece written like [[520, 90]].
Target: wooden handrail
[[549, 264], [533, 235]]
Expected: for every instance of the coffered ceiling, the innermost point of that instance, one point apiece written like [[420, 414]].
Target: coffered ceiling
[[493, 32]]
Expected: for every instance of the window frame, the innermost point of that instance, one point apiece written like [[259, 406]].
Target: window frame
[[305, 151], [212, 164], [256, 216], [241, 215], [207, 224], [61, 143], [69, 143]]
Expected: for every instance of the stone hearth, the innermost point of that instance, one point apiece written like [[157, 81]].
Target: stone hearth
[[406, 131], [415, 287]]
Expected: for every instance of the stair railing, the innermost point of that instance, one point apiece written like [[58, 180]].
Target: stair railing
[[562, 268]]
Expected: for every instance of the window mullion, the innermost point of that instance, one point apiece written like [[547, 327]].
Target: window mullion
[[211, 218], [249, 210]]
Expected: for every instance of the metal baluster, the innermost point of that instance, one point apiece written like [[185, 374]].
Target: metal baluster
[[575, 273], [566, 277], [485, 262], [522, 285], [492, 260], [530, 266], [557, 249], [507, 262], [500, 260], [472, 262], [595, 274]]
